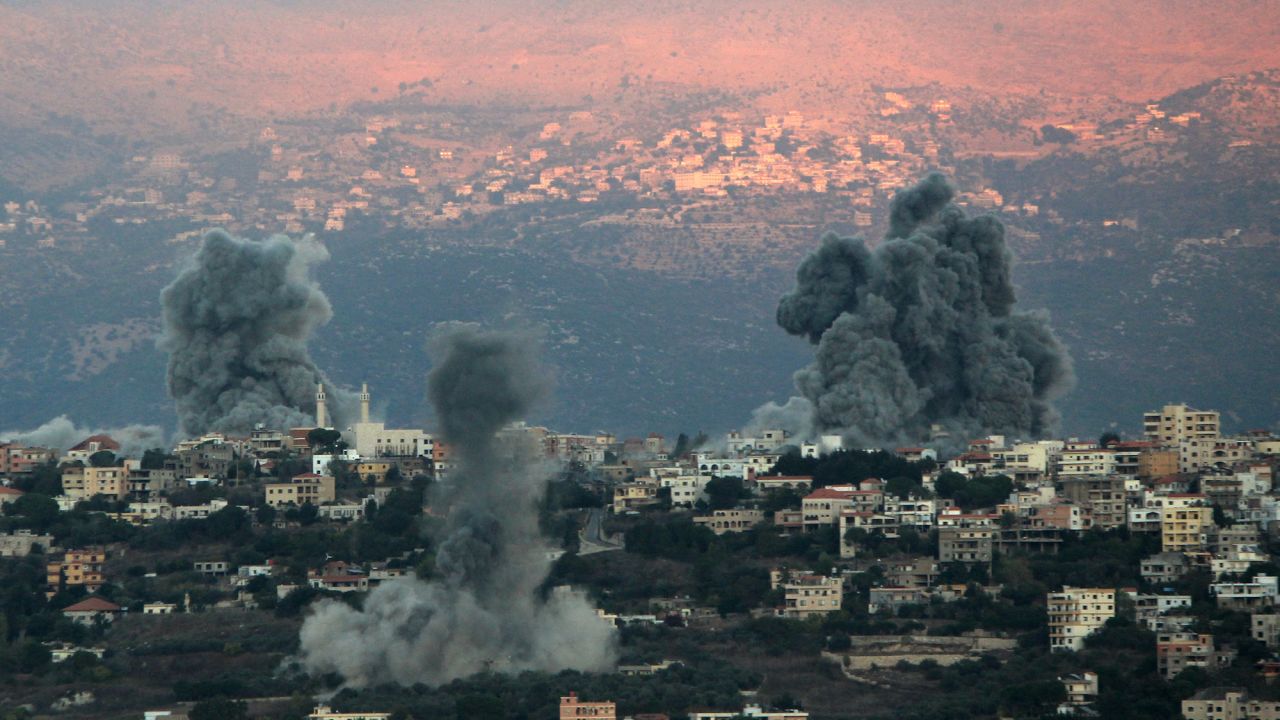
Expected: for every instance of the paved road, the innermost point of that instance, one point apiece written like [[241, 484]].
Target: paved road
[[592, 538]]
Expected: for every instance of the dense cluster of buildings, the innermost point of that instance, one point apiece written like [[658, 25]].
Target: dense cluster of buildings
[[416, 169], [1208, 498]]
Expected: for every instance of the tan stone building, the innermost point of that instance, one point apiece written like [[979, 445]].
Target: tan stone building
[[1174, 423], [81, 568], [308, 488], [1185, 528], [1076, 613], [572, 708], [806, 594], [727, 521]]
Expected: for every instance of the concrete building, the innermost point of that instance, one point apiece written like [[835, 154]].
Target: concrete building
[[1228, 703], [1172, 424], [822, 507], [21, 543], [1176, 652], [806, 594], [1259, 594], [82, 567], [325, 712], [1104, 495], [572, 708], [376, 440], [1076, 613], [1266, 629], [727, 521], [1082, 688], [307, 488], [1185, 528]]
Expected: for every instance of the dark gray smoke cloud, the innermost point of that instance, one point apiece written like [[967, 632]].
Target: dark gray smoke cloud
[[921, 331], [236, 325], [486, 610]]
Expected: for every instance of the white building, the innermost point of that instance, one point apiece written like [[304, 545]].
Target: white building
[[1076, 613]]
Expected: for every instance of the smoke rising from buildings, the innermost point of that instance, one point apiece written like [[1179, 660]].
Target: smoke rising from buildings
[[61, 433], [236, 325], [486, 609], [920, 332]]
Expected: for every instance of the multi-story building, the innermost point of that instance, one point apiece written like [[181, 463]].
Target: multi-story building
[[727, 521], [1174, 423], [686, 490], [304, 489], [966, 537], [1082, 688], [822, 507], [1104, 495], [1266, 629], [1261, 593], [965, 544], [632, 495], [571, 708], [77, 568], [1086, 461], [1176, 652], [1228, 703], [1185, 528], [1076, 613], [1163, 568], [806, 594]]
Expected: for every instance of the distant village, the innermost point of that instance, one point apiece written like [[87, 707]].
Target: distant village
[[416, 170], [1206, 499]]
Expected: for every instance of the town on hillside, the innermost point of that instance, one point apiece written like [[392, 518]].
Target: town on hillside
[[752, 575]]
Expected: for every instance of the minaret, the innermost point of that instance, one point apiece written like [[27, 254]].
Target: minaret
[[364, 403], [322, 419]]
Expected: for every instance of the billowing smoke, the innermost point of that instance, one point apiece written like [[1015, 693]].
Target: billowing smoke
[[486, 611], [920, 332], [236, 325], [61, 433]]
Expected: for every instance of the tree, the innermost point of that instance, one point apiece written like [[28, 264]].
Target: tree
[[724, 493], [40, 511], [219, 709], [324, 441], [1107, 438], [154, 459], [102, 458]]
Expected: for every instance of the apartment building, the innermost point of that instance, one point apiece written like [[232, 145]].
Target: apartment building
[[1178, 651], [1266, 629], [304, 489], [1172, 424], [1076, 613], [1259, 594], [727, 521], [806, 594], [1104, 495], [1086, 461], [572, 708], [81, 567], [1228, 703], [1184, 529], [822, 507]]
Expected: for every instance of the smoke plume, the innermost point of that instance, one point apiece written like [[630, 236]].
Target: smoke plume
[[486, 610], [62, 434], [921, 332], [236, 325]]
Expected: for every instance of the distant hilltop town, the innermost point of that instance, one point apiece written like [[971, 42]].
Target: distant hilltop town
[[890, 544]]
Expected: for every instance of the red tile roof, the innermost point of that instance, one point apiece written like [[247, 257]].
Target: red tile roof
[[93, 604], [105, 442]]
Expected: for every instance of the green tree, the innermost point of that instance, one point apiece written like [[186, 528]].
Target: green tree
[[102, 458], [219, 709], [324, 441]]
